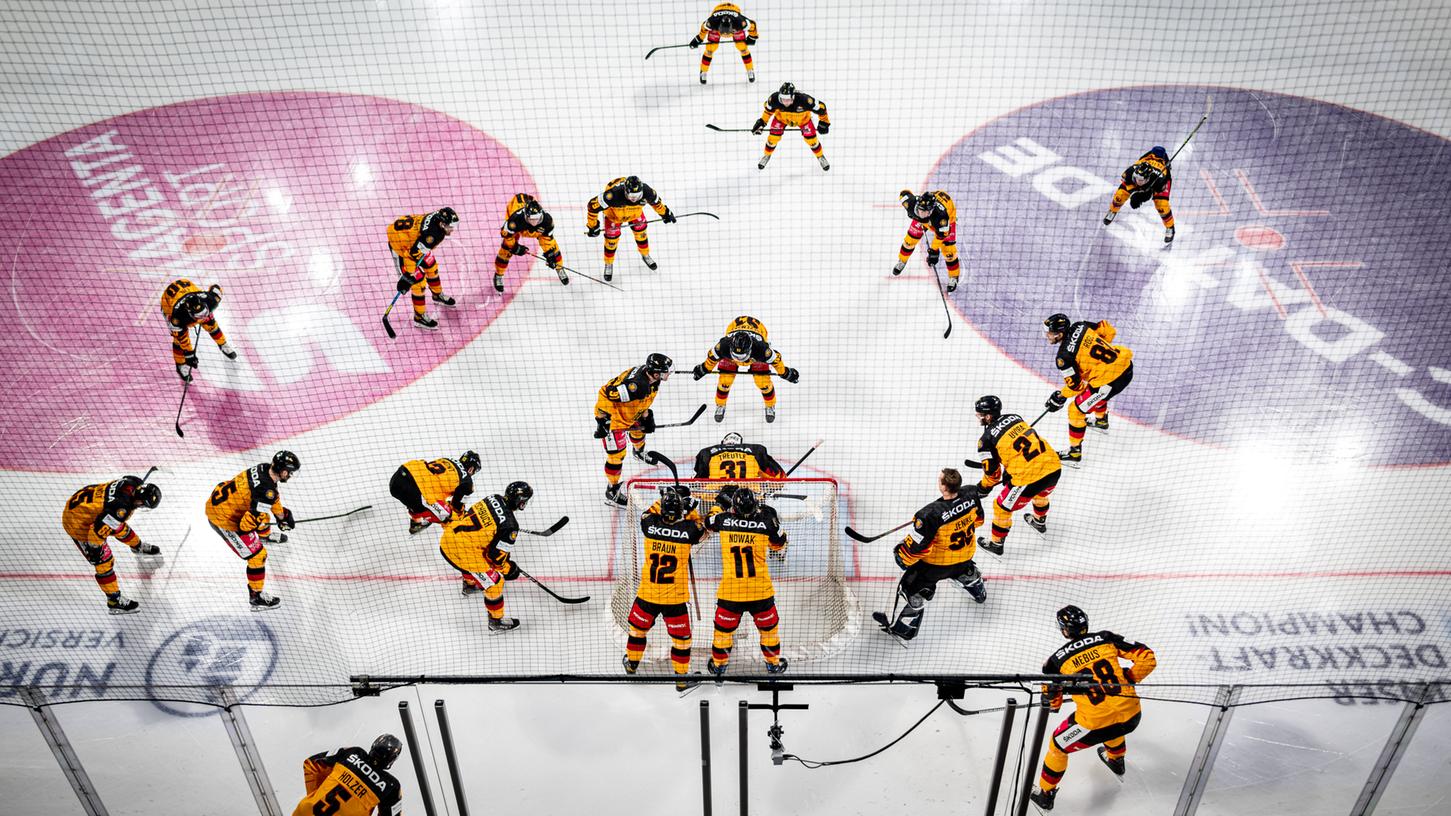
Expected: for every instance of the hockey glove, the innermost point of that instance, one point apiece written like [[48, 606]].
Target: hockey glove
[[602, 427], [509, 570], [405, 283], [593, 232], [553, 259], [668, 216], [284, 521], [725, 498], [694, 42], [751, 40], [699, 371], [903, 558], [823, 128], [1055, 402], [1138, 197], [791, 375], [933, 256], [519, 249], [759, 126], [647, 421]]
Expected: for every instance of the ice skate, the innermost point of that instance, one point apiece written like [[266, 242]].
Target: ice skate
[[563, 275], [720, 413], [987, 544], [1038, 524], [228, 350], [423, 321], [770, 413], [609, 271], [686, 684], [499, 283], [184, 372], [613, 497], [779, 667], [898, 267], [444, 300], [650, 262], [146, 549], [702, 77], [502, 624], [750, 76], [881, 619], [1073, 457], [825, 165], [1100, 423], [470, 588], [1168, 235], [121, 605], [261, 600], [951, 285], [415, 526], [975, 588], [1043, 799], [761, 165], [1118, 766], [631, 666]]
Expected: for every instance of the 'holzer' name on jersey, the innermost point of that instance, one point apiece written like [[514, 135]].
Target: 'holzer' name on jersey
[[367, 771], [1078, 645], [958, 509], [654, 531], [737, 523]]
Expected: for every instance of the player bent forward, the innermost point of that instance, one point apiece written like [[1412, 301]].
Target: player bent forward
[[98, 512], [1095, 371], [434, 490], [622, 412], [744, 349], [235, 512], [672, 527], [735, 458], [479, 544], [1106, 711], [939, 546], [748, 529], [352, 782], [412, 238]]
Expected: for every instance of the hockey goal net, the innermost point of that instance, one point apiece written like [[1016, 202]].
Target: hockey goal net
[[818, 610]]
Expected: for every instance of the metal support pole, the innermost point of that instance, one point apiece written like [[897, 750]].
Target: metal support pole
[[1390, 755], [1031, 771], [744, 710], [705, 754], [446, 736], [412, 739], [252, 768], [1003, 739], [1197, 779], [65, 756]]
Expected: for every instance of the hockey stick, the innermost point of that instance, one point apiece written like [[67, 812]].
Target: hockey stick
[[651, 52], [553, 528], [547, 591], [388, 327], [943, 293], [719, 129], [658, 458], [1208, 106], [1040, 416], [683, 215], [336, 516], [152, 470], [802, 459], [691, 421], [185, 387], [972, 464], [575, 271], [864, 539]]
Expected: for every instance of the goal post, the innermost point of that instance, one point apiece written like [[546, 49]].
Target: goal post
[[818, 610]]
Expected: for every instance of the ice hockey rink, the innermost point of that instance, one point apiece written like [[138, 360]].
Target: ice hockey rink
[[1269, 508]]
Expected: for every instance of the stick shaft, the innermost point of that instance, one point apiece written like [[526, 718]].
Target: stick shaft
[[803, 458]]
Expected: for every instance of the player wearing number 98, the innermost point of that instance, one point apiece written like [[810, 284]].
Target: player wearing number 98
[[672, 526], [236, 512], [413, 239], [352, 782], [748, 529], [434, 490], [1094, 371], [1105, 712], [1018, 459], [940, 545], [736, 459]]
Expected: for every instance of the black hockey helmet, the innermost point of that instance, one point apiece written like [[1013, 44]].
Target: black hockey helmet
[[658, 363], [193, 304], [990, 405], [517, 495], [533, 210], [923, 204], [672, 505], [285, 460], [385, 750], [744, 501], [634, 188], [446, 215], [1056, 323], [787, 89], [148, 496], [471, 462], [1072, 621], [741, 344]]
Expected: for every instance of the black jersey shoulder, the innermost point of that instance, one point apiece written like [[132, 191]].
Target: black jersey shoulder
[[688, 529], [262, 485], [1054, 663], [382, 783], [995, 431], [1072, 341]]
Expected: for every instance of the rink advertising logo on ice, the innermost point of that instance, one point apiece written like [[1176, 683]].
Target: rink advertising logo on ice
[[1304, 283], [240, 652], [282, 198], [62, 663]]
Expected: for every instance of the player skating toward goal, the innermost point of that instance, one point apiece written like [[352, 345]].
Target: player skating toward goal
[[726, 21], [413, 238], [1094, 371], [1019, 460], [526, 218], [238, 512], [623, 202], [434, 489], [939, 546], [353, 782], [98, 512], [1105, 711], [1148, 178], [672, 527], [735, 458], [184, 306], [933, 210], [748, 531], [623, 415], [744, 350], [479, 543], [789, 108]]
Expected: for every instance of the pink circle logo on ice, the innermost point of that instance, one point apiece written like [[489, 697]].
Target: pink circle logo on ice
[[282, 198]]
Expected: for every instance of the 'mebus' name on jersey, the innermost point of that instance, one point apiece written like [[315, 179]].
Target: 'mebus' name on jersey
[[1076, 646]]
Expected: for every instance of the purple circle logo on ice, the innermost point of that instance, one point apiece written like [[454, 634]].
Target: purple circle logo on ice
[[1303, 302], [282, 198]]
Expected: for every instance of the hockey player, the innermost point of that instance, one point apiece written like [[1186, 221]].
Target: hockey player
[[1106, 711], [1147, 178], [352, 782], [623, 202], [744, 347], [413, 239], [1095, 371], [622, 411], [237, 511], [1018, 459], [932, 210], [672, 527], [726, 20], [788, 108], [939, 546], [184, 306], [98, 512], [479, 543], [748, 530], [526, 218], [434, 490], [734, 458]]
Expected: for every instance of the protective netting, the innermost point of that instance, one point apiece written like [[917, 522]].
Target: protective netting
[[1269, 505]]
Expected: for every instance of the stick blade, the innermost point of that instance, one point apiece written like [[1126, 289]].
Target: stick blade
[[853, 534], [656, 458], [388, 327]]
